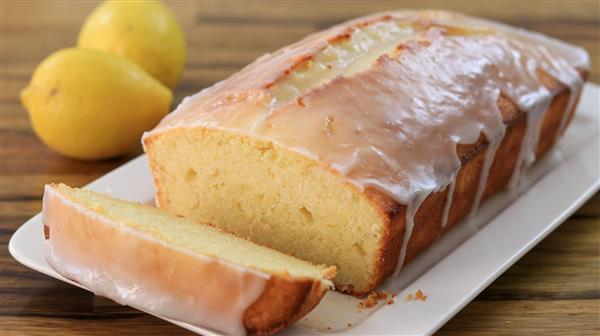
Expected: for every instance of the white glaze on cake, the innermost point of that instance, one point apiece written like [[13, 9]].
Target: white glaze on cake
[[448, 204], [488, 160], [436, 89], [136, 269]]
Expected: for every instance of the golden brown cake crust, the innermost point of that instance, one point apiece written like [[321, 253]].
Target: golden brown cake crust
[[282, 303]]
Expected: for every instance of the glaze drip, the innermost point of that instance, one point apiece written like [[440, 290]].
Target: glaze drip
[[488, 160], [448, 203]]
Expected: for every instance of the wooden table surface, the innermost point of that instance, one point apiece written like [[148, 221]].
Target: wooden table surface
[[554, 289]]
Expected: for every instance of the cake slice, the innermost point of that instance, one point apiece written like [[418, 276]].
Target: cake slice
[[144, 257]]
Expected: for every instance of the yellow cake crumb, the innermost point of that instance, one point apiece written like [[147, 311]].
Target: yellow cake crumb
[[418, 296], [372, 299]]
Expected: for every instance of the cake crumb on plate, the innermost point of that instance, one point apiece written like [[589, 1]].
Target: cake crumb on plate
[[372, 299], [419, 295]]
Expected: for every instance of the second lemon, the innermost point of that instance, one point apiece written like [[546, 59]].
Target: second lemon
[[145, 32]]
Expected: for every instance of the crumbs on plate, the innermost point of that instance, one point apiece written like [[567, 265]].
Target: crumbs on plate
[[374, 297], [418, 296]]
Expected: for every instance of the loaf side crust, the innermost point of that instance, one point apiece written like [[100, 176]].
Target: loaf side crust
[[283, 302], [428, 219]]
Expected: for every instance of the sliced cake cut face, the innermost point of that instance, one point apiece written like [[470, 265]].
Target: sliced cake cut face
[[328, 149], [277, 197], [145, 257]]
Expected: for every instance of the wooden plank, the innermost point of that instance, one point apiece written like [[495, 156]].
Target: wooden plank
[[134, 325], [526, 317]]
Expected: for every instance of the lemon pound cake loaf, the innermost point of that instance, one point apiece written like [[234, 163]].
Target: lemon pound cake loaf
[[149, 259], [360, 145]]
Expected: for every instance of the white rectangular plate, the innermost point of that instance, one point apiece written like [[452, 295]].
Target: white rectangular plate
[[452, 272]]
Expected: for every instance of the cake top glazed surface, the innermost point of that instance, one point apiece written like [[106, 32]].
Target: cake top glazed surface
[[384, 99]]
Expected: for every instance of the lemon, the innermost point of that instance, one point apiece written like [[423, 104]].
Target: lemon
[[145, 32], [89, 104]]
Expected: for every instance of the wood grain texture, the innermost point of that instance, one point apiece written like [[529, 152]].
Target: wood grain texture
[[554, 289]]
